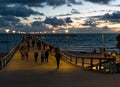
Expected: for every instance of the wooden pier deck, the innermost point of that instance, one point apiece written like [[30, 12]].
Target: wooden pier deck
[[22, 73]]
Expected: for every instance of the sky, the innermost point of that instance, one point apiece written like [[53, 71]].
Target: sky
[[46, 16]]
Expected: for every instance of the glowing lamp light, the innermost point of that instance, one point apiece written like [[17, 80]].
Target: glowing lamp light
[[45, 32], [7, 30], [66, 31], [13, 31], [53, 31]]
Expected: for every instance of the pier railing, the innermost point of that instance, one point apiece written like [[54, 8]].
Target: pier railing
[[96, 63], [5, 60], [101, 64], [107, 65]]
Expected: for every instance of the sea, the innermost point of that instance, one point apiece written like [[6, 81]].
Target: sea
[[69, 42]]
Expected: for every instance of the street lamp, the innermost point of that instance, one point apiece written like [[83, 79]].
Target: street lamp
[[14, 31], [14, 36], [7, 31], [53, 32], [102, 45], [66, 31]]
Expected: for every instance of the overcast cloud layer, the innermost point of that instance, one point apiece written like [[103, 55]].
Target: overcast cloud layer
[[100, 1], [40, 2], [12, 10], [16, 10], [52, 2]]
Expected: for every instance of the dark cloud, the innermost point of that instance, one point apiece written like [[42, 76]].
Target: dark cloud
[[68, 20], [37, 18], [8, 21], [22, 1], [54, 21], [17, 10], [64, 15], [99, 1], [40, 2], [9, 18], [36, 26], [4, 23], [114, 17], [90, 22], [56, 2], [37, 23], [69, 5], [74, 11], [57, 22], [78, 2]]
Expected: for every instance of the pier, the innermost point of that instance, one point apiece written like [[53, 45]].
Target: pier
[[75, 71]]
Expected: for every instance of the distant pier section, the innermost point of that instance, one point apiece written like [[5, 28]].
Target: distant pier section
[[57, 35]]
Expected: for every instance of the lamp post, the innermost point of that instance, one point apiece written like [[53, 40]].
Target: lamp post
[[102, 45], [7, 31], [14, 37], [66, 31], [53, 32], [13, 31]]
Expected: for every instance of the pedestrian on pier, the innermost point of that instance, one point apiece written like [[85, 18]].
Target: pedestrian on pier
[[21, 49], [46, 55], [58, 57], [33, 43], [42, 56], [26, 55], [35, 56]]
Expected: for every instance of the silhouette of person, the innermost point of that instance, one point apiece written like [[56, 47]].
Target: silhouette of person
[[46, 55], [42, 56], [26, 54], [58, 57], [35, 56]]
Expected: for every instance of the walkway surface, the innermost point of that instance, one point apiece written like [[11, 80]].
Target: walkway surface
[[22, 73]]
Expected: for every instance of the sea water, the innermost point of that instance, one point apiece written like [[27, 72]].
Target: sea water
[[8, 41], [76, 42], [83, 42]]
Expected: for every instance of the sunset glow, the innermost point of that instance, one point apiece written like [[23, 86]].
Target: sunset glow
[[66, 14]]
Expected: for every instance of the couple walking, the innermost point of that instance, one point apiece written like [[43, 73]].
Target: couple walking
[[44, 56]]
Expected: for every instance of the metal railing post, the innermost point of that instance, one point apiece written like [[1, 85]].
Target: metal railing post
[[76, 60], [82, 62], [91, 63], [0, 64]]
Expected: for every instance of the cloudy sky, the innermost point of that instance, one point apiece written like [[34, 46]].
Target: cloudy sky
[[78, 16]]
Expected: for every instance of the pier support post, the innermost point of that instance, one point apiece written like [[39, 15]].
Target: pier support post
[[76, 60], [0, 65], [4, 63], [114, 66], [100, 64], [70, 58], [91, 63], [82, 62]]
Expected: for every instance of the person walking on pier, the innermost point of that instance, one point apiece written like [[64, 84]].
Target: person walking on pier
[[35, 56], [26, 55], [42, 56], [46, 55], [22, 49], [58, 57]]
